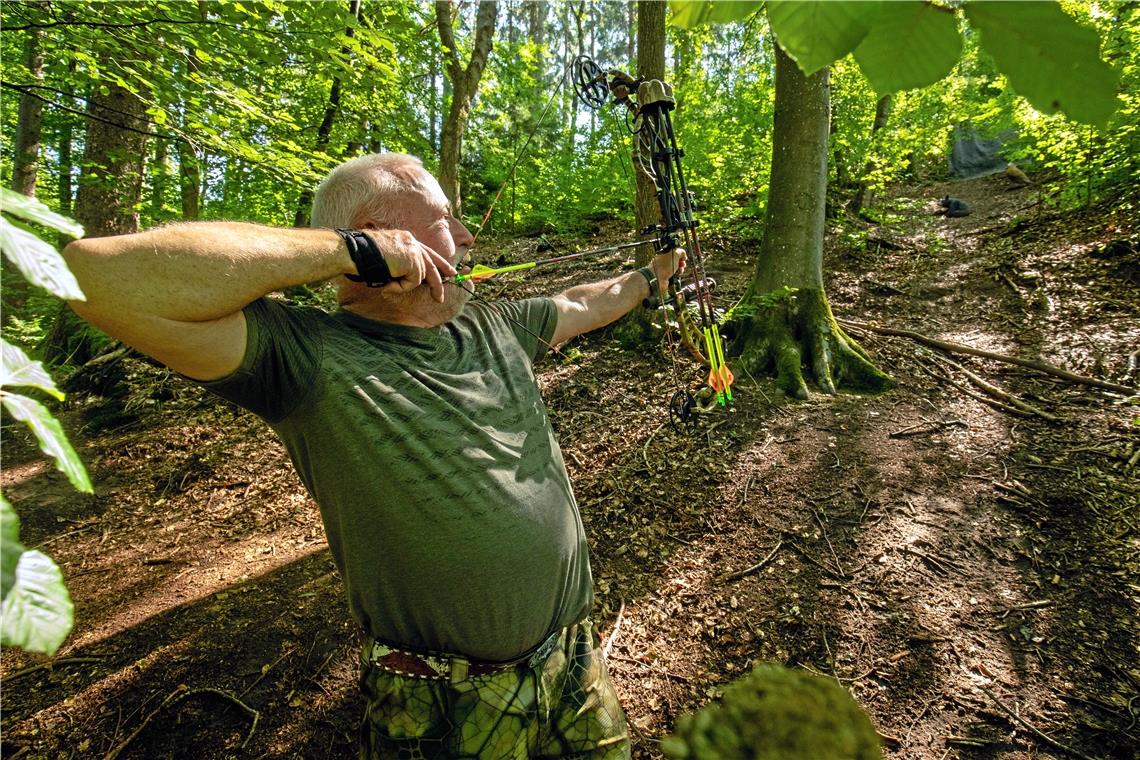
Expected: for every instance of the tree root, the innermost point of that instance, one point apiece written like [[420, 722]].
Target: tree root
[[959, 348], [788, 330], [179, 694]]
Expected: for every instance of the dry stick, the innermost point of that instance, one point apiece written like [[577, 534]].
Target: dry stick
[[997, 392], [614, 632], [50, 665], [830, 548], [1043, 736], [179, 694], [757, 567], [976, 396], [959, 348]]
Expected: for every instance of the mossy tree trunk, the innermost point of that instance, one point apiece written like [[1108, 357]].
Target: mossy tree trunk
[[784, 322]]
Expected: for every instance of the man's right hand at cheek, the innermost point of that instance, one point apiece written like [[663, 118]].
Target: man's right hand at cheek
[[411, 263]]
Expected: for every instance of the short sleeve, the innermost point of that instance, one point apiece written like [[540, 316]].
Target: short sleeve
[[282, 356], [532, 321]]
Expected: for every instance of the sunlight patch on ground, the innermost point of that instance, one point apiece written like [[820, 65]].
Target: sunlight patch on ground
[[198, 581], [11, 477]]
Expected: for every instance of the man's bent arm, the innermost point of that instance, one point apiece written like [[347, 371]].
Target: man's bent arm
[[583, 308], [176, 293]]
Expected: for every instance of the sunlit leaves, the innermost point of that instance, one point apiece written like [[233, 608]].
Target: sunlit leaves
[[37, 610], [691, 13], [39, 262], [911, 44], [1049, 58], [816, 33]]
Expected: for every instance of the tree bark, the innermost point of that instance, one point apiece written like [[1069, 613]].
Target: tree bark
[[650, 65], [784, 320], [25, 166], [864, 194], [189, 161], [464, 84], [26, 158], [110, 189]]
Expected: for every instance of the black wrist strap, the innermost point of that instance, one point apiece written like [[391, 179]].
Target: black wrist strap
[[371, 268], [653, 300]]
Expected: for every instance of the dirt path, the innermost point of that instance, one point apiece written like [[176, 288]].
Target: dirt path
[[944, 560]]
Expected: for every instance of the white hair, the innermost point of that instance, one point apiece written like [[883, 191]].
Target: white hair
[[364, 190]]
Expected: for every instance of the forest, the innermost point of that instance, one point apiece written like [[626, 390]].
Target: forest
[[881, 439]]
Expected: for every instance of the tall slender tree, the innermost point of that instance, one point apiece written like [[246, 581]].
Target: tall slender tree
[[464, 84]]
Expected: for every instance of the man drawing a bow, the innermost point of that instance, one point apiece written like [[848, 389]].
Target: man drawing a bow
[[413, 418]]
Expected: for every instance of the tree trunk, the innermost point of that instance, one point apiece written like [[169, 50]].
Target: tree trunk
[[865, 194], [110, 188], [26, 158], [189, 162], [25, 166], [160, 180], [650, 65], [784, 321], [324, 131], [464, 84]]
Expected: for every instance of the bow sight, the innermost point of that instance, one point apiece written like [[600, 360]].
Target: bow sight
[[649, 102]]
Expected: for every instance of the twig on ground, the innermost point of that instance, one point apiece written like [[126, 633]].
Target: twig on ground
[[959, 348], [823, 530], [49, 665], [927, 429], [1000, 394], [755, 568], [976, 396], [179, 694], [818, 564], [1039, 734], [613, 634], [265, 670]]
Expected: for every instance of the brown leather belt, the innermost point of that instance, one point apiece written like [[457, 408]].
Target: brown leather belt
[[451, 667]]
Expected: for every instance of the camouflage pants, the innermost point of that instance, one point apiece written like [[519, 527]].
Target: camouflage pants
[[564, 707]]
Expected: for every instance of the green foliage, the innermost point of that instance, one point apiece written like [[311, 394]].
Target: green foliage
[[815, 34], [1048, 57], [911, 44], [35, 259], [37, 612], [777, 713]]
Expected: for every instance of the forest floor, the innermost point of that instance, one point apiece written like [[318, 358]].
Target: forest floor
[[971, 574]]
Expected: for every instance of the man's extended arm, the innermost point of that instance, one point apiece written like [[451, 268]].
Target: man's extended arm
[[176, 293], [587, 307]]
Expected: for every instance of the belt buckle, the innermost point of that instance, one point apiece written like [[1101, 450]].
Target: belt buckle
[[544, 650]]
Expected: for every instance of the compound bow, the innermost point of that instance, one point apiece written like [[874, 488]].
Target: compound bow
[[648, 103]]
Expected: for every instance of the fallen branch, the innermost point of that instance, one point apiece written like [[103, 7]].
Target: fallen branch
[[1039, 734], [614, 632], [959, 348], [176, 696], [989, 401], [755, 568], [1000, 394], [50, 665]]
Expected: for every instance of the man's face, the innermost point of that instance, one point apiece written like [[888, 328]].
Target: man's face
[[427, 215]]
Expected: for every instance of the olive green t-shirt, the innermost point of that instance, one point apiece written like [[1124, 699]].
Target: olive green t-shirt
[[443, 491]]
